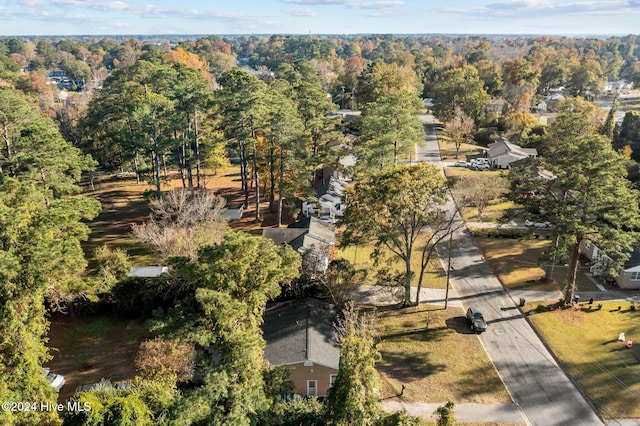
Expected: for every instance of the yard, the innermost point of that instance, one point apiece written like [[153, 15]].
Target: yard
[[466, 153], [360, 258], [516, 262], [88, 349], [585, 341], [124, 204], [435, 355]]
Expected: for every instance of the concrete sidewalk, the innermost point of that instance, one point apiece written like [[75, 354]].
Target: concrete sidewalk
[[387, 295], [496, 413]]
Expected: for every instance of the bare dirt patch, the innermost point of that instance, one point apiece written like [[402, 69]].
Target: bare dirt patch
[[88, 349]]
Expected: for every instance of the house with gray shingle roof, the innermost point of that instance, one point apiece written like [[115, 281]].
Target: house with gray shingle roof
[[502, 153], [299, 335]]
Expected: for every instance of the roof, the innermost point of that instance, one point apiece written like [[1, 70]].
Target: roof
[[634, 260], [322, 230], [300, 331], [282, 236], [503, 147], [148, 271]]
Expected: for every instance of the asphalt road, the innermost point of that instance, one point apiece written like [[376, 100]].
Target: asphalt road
[[542, 390]]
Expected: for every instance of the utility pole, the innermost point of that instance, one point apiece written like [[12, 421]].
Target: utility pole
[[446, 295]]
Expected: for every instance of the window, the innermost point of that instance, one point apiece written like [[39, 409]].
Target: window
[[312, 387], [635, 276], [332, 379]]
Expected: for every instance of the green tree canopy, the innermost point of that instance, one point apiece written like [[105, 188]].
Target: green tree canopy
[[390, 130], [33, 149], [391, 209], [233, 281], [354, 398], [589, 199], [459, 88]]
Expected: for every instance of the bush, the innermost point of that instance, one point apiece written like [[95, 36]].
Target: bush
[[445, 414], [401, 418], [139, 297], [294, 412]]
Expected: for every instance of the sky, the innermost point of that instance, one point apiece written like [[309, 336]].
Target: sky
[[140, 17]]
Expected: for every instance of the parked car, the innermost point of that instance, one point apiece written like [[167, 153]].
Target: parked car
[[461, 163], [480, 166], [55, 380], [537, 224], [476, 320], [480, 160]]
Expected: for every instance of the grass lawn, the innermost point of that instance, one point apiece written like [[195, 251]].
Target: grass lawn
[[124, 204], [360, 257], [88, 349], [492, 213], [516, 264], [466, 153], [586, 342], [435, 355]]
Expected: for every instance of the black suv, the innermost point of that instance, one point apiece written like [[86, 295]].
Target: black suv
[[476, 320]]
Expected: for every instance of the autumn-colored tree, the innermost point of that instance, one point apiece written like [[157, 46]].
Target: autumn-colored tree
[[181, 223], [166, 360]]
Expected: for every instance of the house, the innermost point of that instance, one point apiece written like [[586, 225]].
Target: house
[[287, 236], [330, 203], [554, 99], [629, 275], [616, 86], [147, 271], [502, 153], [299, 335], [318, 245], [314, 238], [542, 106]]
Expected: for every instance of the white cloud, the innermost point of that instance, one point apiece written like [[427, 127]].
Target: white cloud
[[300, 12], [383, 4], [354, 4], [527, 8], [28, 3], [316, 2]]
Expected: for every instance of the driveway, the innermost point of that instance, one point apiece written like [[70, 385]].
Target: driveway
[[538, 386]]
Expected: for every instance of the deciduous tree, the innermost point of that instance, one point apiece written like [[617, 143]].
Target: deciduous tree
[[459, 88], [181, 223], [391, 209]]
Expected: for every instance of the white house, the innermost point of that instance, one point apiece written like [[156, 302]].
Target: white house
[[542, 106], [502, 153], [331, 203], [616, 86], [628, 276]]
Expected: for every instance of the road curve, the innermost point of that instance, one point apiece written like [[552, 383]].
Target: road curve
[[537, 384]]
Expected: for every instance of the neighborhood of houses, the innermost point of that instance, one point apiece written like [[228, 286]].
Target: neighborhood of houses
[[299, 334]]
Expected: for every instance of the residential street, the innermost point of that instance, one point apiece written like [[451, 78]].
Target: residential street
[[545, 394]]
